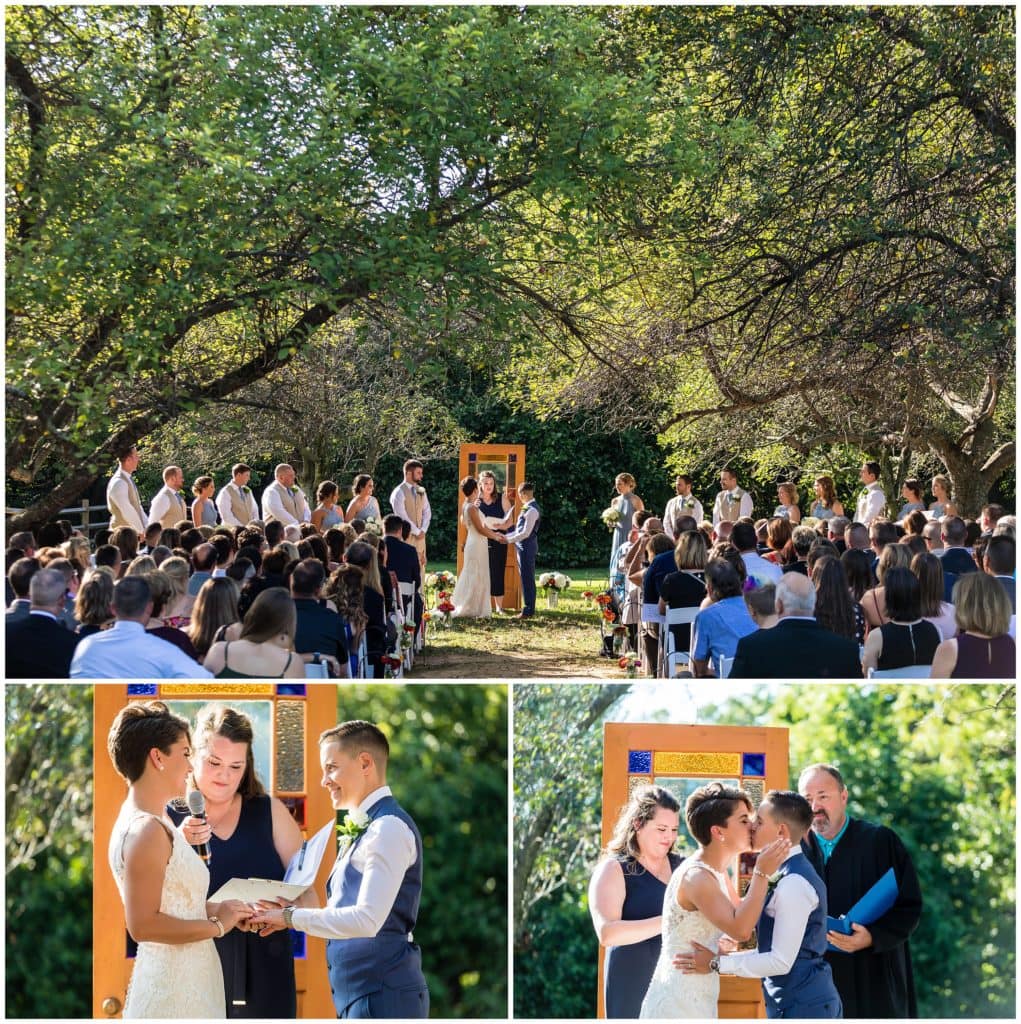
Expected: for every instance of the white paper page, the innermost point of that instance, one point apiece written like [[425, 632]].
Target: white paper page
[[315, 850]]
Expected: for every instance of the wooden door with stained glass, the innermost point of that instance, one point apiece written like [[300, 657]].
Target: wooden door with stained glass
[[681, 758], [287, 720], [507, 463]]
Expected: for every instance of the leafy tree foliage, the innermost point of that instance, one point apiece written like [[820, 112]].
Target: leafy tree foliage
[[48, 846], [448, 757]]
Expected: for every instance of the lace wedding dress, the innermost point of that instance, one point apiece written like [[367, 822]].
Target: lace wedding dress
[[183, 980], [671, 992], [471, 592]]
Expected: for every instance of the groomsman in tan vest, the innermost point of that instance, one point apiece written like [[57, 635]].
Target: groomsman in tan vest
[[168, 506], [122, 495], [283, 500], [410, 502], [235, 502]]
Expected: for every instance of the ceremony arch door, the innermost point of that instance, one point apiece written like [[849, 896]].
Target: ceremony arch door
[[288, 718], [681, 758], [507, 463]]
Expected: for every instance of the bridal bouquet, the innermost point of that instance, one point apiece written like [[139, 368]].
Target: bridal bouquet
[[373, 526], [554, 581], [611, 517]]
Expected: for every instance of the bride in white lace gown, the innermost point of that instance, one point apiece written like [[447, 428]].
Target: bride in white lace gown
[[471, 592], [162, 880], [701, 905]]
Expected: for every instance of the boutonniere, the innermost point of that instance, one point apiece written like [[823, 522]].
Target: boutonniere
[[356, 823], [863, 492], [420, 491], [773, 881], [245, 489], [688, 502], [180, 494]]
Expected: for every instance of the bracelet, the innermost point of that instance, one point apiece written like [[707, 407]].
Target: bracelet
[[219, 924], [760, 873]]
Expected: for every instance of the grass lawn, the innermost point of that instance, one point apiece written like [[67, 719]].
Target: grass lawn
[[562, 642]]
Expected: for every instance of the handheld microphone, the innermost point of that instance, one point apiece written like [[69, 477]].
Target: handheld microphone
[[197, 806]]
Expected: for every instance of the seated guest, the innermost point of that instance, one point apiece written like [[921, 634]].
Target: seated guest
[[402, 559], [317, 545], [12, 555], [160, 554], [973, 531], [265, 649], [719, 627], [1006, 526], [241, 569], [203, 561], [834, 607], [125, 539], [191, 538], [178, 610], [20, 578], [797, 647], [742, 536], [915, 543], [856, 536], [659, 556], [336, 542], [882, 533], [319, 630], [956, 558], [345, 590], [363, 555], [93, 604], [686, 587], [722, 531], [214, 616], [911, 492], [931, 534], [25, 542], [802, 540], [51, 535], [821, 548], [126, 651], [837, 529], [79, 553], [71, 581], [983, 649], [906, 639], [162, 591], [778, 536], [38, 645], [224, 548], [990, 517], [274, 533], [874, 603], [934, 609], [1000, 561], [914, 523], [110, 556], [761, 602], [171, 538], [141, 565]]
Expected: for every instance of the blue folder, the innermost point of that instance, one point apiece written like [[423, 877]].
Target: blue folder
[[871, 907]]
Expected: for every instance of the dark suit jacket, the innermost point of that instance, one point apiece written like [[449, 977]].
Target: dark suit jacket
[[39, 648], [957, 561], [796, 649], [402, 559], [1010, 585], [19, 609], [319, 629]]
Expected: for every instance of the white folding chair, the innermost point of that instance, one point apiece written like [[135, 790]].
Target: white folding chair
[[673, 658], [364, 669], [651, 613], [723, 667], [408, 603], [907, 672]]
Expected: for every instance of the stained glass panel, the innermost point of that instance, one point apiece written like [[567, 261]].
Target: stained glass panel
[[753, 764], [142, 689], [688, 763], [239, 689], [639, 761], [296, 805], [756, 790], [290, 746], [298, 945], [636, 781], [290, 689], [682, 789]]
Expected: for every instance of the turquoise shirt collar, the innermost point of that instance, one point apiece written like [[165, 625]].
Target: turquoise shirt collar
[[827, 845]]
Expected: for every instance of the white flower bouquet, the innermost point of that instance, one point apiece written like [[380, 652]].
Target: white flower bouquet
[[611, 517], [555, 581]]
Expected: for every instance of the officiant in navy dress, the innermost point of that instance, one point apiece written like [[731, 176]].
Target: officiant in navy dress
[[525, 537], [250, 835], [374, 890], [496, 507]]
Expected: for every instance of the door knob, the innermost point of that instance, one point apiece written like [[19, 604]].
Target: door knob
[[111, 1006]]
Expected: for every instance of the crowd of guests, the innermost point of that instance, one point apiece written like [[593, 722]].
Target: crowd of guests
[[823, 597], [258, 600]]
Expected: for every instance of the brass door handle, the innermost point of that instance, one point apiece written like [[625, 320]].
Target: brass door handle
[[111, 1006]]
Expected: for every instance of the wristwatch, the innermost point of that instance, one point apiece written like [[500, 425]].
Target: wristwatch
[[714, 965], [288, 914]]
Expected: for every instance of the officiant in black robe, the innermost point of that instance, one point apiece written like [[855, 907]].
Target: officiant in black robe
[[875, 981]]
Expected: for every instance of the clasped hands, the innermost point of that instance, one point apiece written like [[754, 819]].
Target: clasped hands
[[697, 961], [268, 916]]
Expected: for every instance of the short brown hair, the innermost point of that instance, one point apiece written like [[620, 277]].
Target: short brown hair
[[712, 805], [136, 730], [359, 735]]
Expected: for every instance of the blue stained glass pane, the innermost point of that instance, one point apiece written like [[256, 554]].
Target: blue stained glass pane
[[143, 689], [639, 761], [472, 457], [512, 458], [290, 689], [753, 764], [298, 944]]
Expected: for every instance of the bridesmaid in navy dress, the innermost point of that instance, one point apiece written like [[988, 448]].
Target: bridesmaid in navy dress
[[626, 896], [250, 835], [494, 505]]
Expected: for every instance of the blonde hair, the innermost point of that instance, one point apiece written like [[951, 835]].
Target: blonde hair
[[981, 604], [893, 556], [625, 478], [175, 569], [790, 490]]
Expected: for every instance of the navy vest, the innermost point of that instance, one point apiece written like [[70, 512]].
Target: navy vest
[[809, 981], [359, 967], [534, 535]]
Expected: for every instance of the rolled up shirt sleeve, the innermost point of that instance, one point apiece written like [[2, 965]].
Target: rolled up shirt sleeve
[[793, 901], [384, 854]]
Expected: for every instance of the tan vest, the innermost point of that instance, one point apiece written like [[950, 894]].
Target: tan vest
[[730, 511], [289, 501], [413, 506], [117, 516], [176, 511], [239, 504]]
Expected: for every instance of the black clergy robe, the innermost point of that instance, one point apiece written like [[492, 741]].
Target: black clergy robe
[[877, 981]]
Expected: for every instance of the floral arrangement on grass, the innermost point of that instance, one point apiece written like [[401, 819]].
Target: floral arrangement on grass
[[611, 517], [630, 663], [373, 526], [407, 636], [443, 608], [554, 581], [443, 580], [391, 665], [603, 603]]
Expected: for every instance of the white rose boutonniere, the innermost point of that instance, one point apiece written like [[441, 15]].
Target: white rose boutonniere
[[773, 881], [420, 491], [354, 825]]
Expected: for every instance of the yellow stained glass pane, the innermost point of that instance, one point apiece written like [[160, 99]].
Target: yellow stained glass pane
[[200, 689], [635, 781], [667, 762], [290, 746]]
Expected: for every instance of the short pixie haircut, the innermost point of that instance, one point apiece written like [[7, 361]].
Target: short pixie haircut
[[359, 735], [791, 808], [712, 805], [136, 730]]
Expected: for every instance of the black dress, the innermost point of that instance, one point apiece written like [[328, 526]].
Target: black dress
[[682, 590], [497, 551], [907, 644], [628, 969], [258, 971]]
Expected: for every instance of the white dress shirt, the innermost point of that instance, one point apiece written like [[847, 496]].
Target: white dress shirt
[[165, 500], [531, 514], [870, 505], [793, 900], [675, 508], [744, 508], [119, 493], [223, 505], [383, 855], [398, 502], [128, 651], [273, 507], [761, 568]]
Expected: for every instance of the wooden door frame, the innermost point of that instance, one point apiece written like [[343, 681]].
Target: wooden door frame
[[492, 453], [621, 737], [111, 971]]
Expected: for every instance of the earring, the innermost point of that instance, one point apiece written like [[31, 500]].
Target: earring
[[163, 767]]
